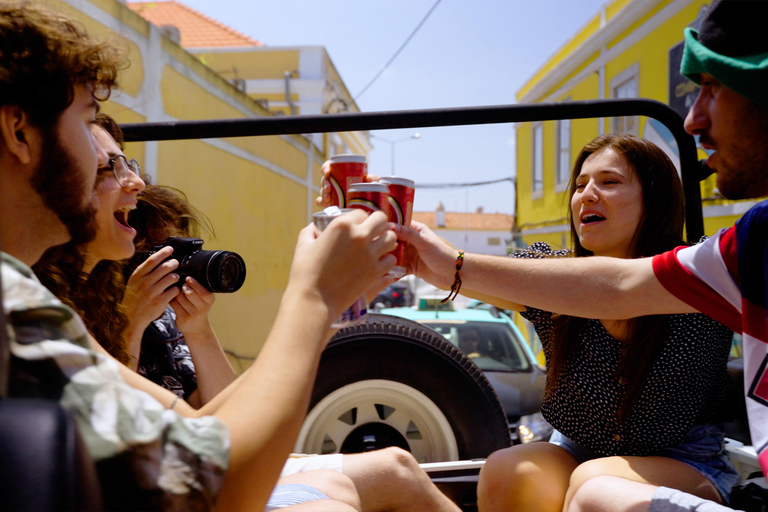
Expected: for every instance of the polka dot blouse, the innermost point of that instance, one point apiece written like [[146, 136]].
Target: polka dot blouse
[[688, 385]]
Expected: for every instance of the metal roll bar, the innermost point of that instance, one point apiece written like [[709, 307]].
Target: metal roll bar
[[692, 170]]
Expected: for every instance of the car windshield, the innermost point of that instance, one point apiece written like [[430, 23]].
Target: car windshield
[[490, 345]]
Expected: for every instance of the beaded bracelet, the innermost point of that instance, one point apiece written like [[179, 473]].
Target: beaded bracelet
[[456, 286]]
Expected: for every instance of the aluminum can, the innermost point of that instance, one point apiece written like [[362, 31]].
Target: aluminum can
[[357, 313], [370, 197], [401, 194], [344, 171]]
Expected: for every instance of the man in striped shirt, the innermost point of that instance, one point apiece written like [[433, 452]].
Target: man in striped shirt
[[724, 277]]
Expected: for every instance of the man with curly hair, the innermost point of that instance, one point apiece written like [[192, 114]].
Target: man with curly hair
[[151, 450]]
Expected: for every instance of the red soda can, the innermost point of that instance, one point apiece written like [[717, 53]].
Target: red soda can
[[345, 170], [370, 197], [401, 193]]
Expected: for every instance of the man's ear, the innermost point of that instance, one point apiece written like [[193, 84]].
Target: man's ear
[[16, 132]]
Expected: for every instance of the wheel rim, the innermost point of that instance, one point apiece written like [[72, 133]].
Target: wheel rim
[[350, 410]]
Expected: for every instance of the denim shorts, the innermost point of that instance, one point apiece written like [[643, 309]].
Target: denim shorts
[[703, 449]]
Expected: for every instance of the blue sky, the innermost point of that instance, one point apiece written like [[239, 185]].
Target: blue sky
[[468, 53]]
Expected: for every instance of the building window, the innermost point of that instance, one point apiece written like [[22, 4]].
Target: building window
[[563, 154], [494, 240], [538, 157], [625, 85]]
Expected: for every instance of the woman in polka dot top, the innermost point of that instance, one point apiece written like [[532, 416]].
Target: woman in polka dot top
[[639, 398]]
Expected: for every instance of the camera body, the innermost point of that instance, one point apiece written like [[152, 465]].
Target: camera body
[[217, 271]]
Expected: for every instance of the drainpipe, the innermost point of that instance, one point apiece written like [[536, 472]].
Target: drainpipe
[[291, 104]]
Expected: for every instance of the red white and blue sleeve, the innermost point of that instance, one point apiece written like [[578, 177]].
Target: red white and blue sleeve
[[705, 276]]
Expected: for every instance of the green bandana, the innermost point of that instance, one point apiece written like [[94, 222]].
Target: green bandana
[[747, 75]]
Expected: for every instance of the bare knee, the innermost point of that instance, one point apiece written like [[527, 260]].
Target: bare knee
[[518, 478], [589, 470], [605, 493], [400, 466], [588, 495]]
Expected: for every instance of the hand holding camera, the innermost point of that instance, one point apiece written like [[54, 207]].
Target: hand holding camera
[[217, 271]]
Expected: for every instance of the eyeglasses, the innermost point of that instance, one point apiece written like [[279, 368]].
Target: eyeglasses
[[123, 168]]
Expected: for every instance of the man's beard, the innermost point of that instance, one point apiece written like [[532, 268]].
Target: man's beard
[[746, 178], [62, 186]]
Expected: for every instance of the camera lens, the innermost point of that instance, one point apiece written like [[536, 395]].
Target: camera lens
[[227, 270], [218, 271]]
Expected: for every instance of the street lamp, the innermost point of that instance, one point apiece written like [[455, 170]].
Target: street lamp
[[392, 145]]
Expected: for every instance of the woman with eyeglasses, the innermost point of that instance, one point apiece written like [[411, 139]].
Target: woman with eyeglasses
[[90, 279]]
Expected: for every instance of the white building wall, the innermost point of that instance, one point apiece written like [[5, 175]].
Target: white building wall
[[477, 241]]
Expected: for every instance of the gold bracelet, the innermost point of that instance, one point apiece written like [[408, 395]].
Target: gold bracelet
[[456, 286]]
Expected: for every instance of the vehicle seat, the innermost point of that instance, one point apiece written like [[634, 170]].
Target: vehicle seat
[[44, 465]]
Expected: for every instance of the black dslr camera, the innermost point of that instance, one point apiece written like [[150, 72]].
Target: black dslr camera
[[218, 271]]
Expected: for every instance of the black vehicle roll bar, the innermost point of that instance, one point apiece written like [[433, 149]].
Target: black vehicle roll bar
[[692, 170]]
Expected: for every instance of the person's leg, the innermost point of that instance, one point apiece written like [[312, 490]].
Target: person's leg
[[336, 486], [614, 494], [391, 479], [611, 494], [657, 471], [525, 477]]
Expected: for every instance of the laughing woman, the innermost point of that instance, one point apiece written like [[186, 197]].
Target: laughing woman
[[641, 398], [121, 312]]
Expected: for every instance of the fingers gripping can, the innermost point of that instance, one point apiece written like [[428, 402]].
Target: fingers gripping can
[[401, 194], [370, 197], [357, 313], [344, 171]]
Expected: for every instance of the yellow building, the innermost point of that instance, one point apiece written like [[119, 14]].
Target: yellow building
[[258, 192], [630, 48]]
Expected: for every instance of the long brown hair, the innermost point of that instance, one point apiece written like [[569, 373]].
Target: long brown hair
[[660, 229], [95, 296]]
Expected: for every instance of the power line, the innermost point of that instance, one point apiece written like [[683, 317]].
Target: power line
[[397, 52], [459, 185]]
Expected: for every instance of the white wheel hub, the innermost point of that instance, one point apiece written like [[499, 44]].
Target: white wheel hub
[[408, 411]]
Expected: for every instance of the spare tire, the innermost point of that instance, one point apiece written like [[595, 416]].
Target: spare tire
[[394, 382]]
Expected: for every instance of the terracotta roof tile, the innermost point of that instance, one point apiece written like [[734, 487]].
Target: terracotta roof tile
[[470, 221], [197, 30]]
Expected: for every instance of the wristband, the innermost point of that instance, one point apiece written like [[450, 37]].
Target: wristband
[[456, 286]]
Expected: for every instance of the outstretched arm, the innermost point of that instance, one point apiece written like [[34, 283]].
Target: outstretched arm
[[213, 371], [265, 407], [265, 410], [594, 287]]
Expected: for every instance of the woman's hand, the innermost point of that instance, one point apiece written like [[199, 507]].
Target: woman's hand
[[192, 306], [324, 200], [428, 256], [341, 263], [148, 292]]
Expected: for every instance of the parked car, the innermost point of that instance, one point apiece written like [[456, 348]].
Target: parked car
[[396, 295], [492, 342]]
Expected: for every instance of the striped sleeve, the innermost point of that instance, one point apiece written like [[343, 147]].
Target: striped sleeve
[[701, 276]]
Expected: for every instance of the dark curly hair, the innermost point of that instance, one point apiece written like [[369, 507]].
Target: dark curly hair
[[44, 55], [95, 296]]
